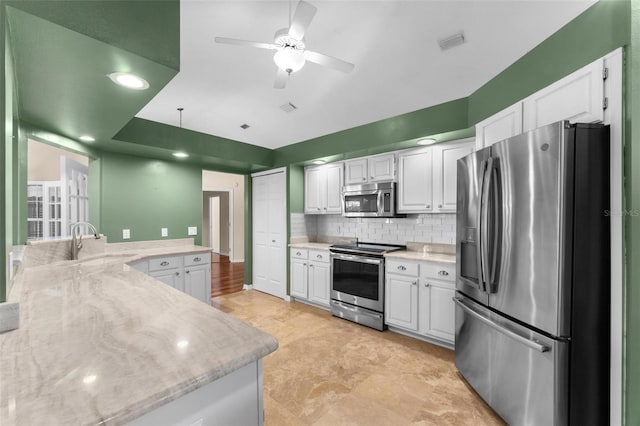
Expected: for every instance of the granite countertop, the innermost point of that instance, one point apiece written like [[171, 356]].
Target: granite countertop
[[418, 255], [312, 246], [101, 343]]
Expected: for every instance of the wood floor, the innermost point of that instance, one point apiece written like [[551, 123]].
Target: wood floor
[[328, 371], [226, 277]]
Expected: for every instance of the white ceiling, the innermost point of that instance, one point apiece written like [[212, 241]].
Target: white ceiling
[[399, 66]]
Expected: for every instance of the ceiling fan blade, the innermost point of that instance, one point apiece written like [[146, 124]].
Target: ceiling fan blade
[[302, 19], [225, 40], [328, 61], [281, 79]]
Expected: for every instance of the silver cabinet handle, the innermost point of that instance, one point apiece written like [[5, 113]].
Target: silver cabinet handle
[[427, 285], [325, 208], [177, 273], [319, 256], [530, 343], [414, 283], [298, 253], [164, 263], [364, 178], [439, 206], [187, 271], [402, 268], [273, 241], [196, 259], [428, 206], [304, 264], [443, 273], [318, 208]]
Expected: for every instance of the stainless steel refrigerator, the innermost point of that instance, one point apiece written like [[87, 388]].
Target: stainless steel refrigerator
[[533, 274]]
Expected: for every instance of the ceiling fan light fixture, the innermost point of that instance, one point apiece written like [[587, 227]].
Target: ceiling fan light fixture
[[289, 59]]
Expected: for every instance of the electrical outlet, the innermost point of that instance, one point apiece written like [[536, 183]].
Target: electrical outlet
[[164, 232], [126, 234], [192, 230]]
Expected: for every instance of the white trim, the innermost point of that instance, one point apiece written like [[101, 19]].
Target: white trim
[[247, 286], [231, 218], [236, 260], [613, 116], [287, 298], [270, 172], [211, 224]]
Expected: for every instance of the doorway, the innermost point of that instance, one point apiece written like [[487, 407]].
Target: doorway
[[218, 218]]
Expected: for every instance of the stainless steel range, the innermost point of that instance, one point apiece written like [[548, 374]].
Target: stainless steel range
[[357, 282]]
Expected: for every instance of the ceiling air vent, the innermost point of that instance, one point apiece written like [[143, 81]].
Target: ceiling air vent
[[288, 107], [244, 126], [451, 42]]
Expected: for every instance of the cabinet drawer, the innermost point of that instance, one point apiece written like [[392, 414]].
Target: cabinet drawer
[[439, 271], [161, 263], [402, 267], [298, 253], [319, 256], [197, 259]]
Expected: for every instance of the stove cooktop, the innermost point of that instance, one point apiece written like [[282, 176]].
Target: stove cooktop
[[367, 248]]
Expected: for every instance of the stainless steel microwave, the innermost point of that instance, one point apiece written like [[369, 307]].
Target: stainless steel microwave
[[369, 200]]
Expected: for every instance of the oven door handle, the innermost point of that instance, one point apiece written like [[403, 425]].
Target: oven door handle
[[353, 258]]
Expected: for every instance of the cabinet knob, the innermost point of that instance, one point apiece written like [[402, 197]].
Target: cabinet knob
[[310, 265], [298, 253], [428, 206], [414, 283], [187, 271], [304, 264], [318, 208], [273, 241], [371, 177], [427, 285], [319, 256], [439, 206], [177, 273], [364, 178], [325, 208]]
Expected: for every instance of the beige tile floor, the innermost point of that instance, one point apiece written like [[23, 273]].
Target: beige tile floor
[[329, 371]]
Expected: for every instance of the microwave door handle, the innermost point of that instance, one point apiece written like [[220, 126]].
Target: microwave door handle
[[484, 230], [380, 201], [483, 164]]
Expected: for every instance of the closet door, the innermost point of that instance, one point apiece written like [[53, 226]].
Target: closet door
[[269, 233]]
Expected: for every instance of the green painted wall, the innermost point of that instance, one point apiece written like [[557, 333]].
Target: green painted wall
[[296, 189], [145, 195], [632, 220], [596, 32]]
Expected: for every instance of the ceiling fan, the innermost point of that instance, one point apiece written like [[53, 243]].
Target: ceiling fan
[[291, 53]]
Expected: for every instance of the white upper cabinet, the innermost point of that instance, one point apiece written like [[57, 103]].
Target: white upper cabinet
[[503, 125], [382, 167], [445, 166], [355, 171], [376, 168], [415, 185], [579, 97], [322, 189]]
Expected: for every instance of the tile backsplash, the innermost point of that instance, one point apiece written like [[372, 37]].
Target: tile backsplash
[[426, 228]]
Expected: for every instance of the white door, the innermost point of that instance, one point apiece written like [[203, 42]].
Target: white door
[[74, 195], [214, 223], [445, 166], [401, 301], [319, 283], [577, 97], [269, 233], [299, 278], [415, 184], [382, 167], [334, 188], [313, 183], [355, 171], [502, 125]]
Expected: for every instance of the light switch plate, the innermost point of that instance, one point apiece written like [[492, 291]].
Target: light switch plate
[[192, 230], [126, 234], [164, 232]]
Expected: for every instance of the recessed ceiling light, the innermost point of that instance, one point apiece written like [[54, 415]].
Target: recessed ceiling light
[[87, 138], [318, 162], [180, 154], [427, 141], [128, 80]]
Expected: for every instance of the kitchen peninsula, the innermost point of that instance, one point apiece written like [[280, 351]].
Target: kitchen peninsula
[[101, 343]]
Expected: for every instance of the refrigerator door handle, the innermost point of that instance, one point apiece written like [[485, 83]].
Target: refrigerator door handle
[[530, 343], [484, 225], [496, 214], [481, 284]]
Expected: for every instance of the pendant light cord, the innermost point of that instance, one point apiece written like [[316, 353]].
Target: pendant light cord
[[180, 109]]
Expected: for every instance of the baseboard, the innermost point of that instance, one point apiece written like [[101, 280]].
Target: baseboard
[[247, 286], [237, 260], [287, 298]]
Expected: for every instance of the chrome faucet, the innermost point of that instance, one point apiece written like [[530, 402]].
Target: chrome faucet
[[76, 237]]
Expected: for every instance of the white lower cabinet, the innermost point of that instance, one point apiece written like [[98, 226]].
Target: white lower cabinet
[[418, 298], [309, 276], [191, 274]]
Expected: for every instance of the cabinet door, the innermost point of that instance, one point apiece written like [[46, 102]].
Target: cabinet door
[[502, 125], [197, 282], [299, 278], [415, 182], [314, 182], [382, 167], [401, 301], [319, 283], [140, 265], [578, 97], [445, 167], [355, 171], [333, 173], [171, 277], [437, 312]]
